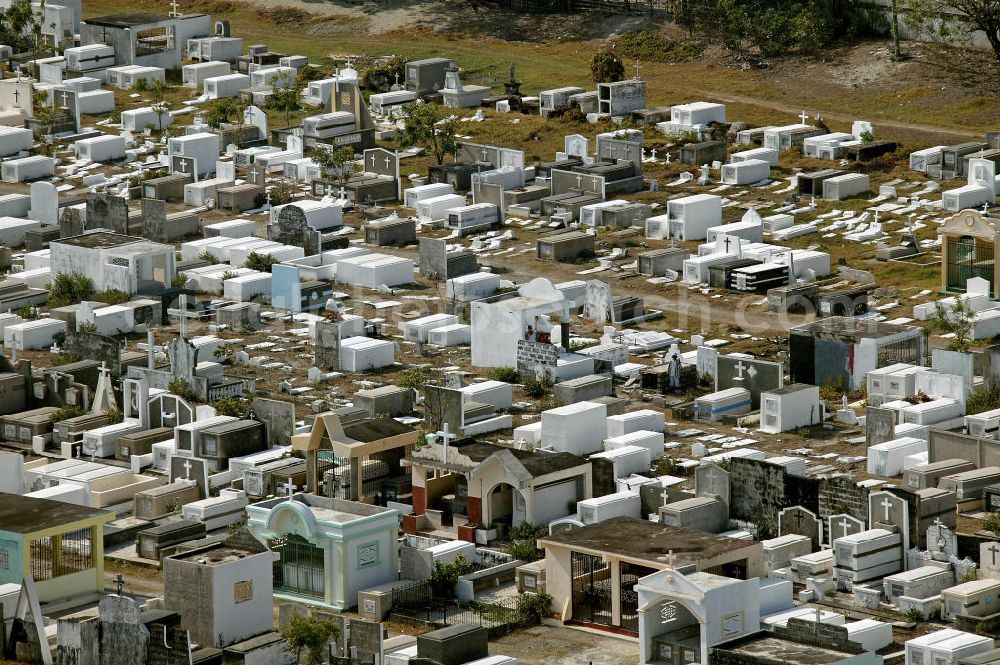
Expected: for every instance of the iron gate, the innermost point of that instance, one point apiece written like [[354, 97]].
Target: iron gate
[[591, 589], [629, 574]]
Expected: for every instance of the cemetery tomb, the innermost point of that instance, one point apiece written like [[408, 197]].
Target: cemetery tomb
[[234, 228], [14, 140], [790, 407], [746, 172], [690, 217], [28, 424], [783, 138], [34, 334], [95, 101], [329, 125], [217, 512], [967, 196], [103, 148], [768, 155], [575, 428], [102, 441], [650, 440], [917, 649], [15, 205], [373, 270], [969, 485], [89, 58], [890, 383], [458, 334], [867, 556], [779, 552], [151, 543], [955, 649], [920, 583], [952, 159], [923, 160], [619, 504], [985, 424], [141, 443], [557, 99], [436, 208], [705, 152], [886, 459], [416, 330], [202, 147], [754, 278], [626, 460], [414, 195], [216, 48], [702, 513], [925, 476], [658, 261], [28, 168], [729, 402], [161, 501], [386, 103], [872, 635], [227, 85], [364, 354], [620, 98], [473, 286], [634, 421], [245, 288], [277, 77], [815, 564], [126, 76], [497, 394], [472, 218], [845, 186], [748, 231], [811, 146]]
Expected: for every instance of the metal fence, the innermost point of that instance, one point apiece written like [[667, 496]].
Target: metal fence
[[417, 604]]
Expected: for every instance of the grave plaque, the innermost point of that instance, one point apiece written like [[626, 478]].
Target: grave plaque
[[989, 560], [800, 521], [942, 542], [576, 145], [190, 468], [479, 154], [566, 181], [184, 165]]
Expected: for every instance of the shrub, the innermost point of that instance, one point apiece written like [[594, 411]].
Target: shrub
[[182, 389], [66, 358], [505, 374], [229, 406], [981, 399], [992, 523], [68, 411], [444, 577], [536, 389], [69, 289], [533, 607], [112, 297], [606, 67], [259, 262], [413, 378]]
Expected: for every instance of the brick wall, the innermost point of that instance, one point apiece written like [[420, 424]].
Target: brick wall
[[533, 355]]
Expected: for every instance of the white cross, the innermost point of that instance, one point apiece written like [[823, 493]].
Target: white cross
[[663, 495], [844, 524], [637, 70], [486, 155], [65, 98], [387, 162], [579, 179], [447, 438], [184, 166], [187, 469], [986, 207], [289, 487], [173, 6], [887, 505], [739, 369], [373, 160], [803, 117], [993, 549], [593, 182]]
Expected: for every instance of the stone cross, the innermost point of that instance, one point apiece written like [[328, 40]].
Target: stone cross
[[289, 487], [65, 98], [726, 241], [666, 157], [119, 583], [187, 469], [803, 117], [844, 524], [739, 369], [887, 505], [373, 160], [183, 166], [387, 162], [993, 549], [485, 154], [986, 207], [173, 8], [637, 70], [17, 94], [579, 181], [663, 495]]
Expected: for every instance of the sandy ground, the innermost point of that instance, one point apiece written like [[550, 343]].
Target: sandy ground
[[558, 645]]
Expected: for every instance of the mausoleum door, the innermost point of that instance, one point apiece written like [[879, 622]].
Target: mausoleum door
[[629, 574], [591, 589], [299, 568]]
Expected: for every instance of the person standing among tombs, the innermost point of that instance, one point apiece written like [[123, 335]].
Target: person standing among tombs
[[674, 373]]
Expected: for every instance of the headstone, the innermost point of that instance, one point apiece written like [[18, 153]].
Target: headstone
[[707, 360], [190, 468], [124, 637], [888, 511], [597, 305], [757, 376], [107, 211], [44, 202], [800, 521], [942, 542], [576, 145], [843, 525], [989, 560], [154, 220], [327, 350], [255, 117], [880, 425], [712, 480], [278, 417]]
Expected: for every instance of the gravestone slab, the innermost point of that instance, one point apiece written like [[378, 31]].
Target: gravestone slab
[[597, 303], [843, 525], [711, 480], [989, 560], [888, 511], [757, 376], [707, 360], [255, 117], [44, 202], [381, 162], [942, 542], [95, 346], [154, 220], [190, 468], [485, 192], [801, 521], [292, 228], [327, 350], [433, 258], [479, 154], [566, 181], [880, 425], [72, 222], [278, 417], [576, 145], [107, 211], [654, 496], [124, 638]]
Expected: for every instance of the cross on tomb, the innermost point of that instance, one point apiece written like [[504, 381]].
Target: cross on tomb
[[65, 99], [844, 525], [119, 583], [182, 314], [803, 117], [579, 180], [637, 69], [17, 94], [184, 166], [887, 505], [289, 487], [593, 182], [173, 8], [726, 240], [993, 549], [986, 207], [373, 160], [187, 469], [739, 370], [798, 519], [387, 162], [664, 495], [486, 154]]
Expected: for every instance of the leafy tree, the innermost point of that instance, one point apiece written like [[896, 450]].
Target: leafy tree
[[285, 96], [606, 67], [228, 110], [260, 262], [426, 125], [69, 289], [957, 320], [444, 576], [334, 161], [20, 26], [951, 16], [160, 105], [383, 75], [46, 114], [311, 635], [413, 378]]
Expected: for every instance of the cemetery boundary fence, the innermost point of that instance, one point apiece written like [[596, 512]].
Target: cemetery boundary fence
[[417, 604]]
